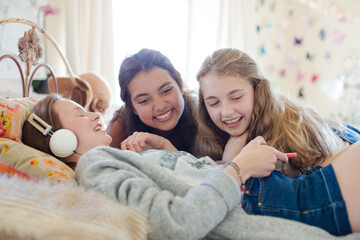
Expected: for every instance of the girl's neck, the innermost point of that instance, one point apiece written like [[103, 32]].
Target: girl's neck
[[72, 160]]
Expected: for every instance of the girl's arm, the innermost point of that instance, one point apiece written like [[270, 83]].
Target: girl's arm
[[233, 147], [174, 210]]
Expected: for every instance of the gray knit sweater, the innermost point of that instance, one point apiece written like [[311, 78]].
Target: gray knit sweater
[[176, 210]]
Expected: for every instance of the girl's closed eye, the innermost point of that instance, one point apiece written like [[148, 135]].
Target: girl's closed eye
[[79, 112], [212, 103], [166, 91], [236, 98], [143, 101]]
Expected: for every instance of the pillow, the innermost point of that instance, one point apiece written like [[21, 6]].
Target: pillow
[[13, 114], [10, 171], [33, 162]]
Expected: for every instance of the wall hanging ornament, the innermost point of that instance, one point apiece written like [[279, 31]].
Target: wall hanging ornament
[[322, 34], [309, 56], [327, 55], [314, 78], [301, 93], [283, 72], [297, 40], [262, 49], [299, 76], [337, 36]]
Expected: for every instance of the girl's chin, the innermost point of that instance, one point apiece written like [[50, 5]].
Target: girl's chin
[[235, 133]]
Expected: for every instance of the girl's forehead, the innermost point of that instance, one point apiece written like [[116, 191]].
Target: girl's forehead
[[65, 105]]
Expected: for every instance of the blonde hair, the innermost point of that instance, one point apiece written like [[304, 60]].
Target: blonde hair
[[285, 125]]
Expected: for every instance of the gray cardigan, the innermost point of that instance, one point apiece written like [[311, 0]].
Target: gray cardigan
[[176, 210]]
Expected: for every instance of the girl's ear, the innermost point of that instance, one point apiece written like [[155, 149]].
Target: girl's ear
[[135, 112]]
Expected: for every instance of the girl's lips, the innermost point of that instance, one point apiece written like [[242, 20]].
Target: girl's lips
[[98, 127], [233, 122], [164, 117]]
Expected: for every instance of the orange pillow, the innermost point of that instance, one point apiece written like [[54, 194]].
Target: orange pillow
[[13, 114], [10, 171]]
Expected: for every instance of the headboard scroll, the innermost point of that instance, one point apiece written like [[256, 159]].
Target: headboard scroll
[[30, 53]]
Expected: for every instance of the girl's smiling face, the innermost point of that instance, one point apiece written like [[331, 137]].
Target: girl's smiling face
[[156, 98], [87, 126], [229, 100]]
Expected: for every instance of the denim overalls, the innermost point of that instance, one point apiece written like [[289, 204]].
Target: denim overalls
[[313, 198]]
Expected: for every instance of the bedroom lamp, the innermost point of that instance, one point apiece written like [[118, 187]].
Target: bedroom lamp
[[30, 53]]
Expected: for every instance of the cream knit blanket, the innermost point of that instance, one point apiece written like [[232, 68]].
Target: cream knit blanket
[[39, 210]]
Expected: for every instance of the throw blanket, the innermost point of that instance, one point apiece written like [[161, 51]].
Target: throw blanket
[[175, 210], [42, 211]]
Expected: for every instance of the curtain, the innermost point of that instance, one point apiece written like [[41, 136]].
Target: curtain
[[214, 24], [237, 26], [84, 31]]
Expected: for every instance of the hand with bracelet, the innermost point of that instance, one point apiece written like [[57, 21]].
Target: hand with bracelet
[[256, 159]]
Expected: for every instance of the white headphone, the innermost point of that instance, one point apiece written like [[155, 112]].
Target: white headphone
[[63, 142]]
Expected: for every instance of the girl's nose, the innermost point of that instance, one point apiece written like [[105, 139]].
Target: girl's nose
[[159, 104], [95, 115], [227, 109]]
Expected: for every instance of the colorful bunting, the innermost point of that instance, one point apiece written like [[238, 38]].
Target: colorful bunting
[[283, 72], [299, 76], [297, 41], [314, 78], [337, 36], [309, 55], [322, 34]]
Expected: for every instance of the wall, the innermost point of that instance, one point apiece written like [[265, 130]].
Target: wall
[[310, 51]]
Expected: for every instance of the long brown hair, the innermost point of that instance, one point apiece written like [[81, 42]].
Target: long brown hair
[[183, 135], [285, 125]]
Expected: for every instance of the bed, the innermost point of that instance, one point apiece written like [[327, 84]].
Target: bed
[[39, 198]]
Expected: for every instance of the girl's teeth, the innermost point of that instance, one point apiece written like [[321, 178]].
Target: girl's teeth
[[97, 128], [232, 121], [164, 116]]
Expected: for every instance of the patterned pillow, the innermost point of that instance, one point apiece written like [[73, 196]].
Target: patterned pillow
[[34, 162], [10, 171], [13, 114]]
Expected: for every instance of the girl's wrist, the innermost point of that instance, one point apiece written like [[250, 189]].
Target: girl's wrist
[[168, 145], [238, 172], [230, 170], [244, 170]]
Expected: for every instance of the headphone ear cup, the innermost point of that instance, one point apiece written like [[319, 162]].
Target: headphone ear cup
[[63, 143]]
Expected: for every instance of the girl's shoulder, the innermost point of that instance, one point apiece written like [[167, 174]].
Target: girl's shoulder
[[348, 132], [116, 128]]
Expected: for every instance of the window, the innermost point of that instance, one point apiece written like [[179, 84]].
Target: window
[[155, 24]]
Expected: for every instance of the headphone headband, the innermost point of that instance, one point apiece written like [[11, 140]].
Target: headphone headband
[[39, 124]]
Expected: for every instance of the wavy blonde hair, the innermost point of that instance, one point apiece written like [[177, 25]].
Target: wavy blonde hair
[[285, 125]]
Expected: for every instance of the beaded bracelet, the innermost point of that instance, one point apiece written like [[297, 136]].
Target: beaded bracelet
[[238, 171]]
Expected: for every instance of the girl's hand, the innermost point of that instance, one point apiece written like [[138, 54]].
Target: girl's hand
[[142, 141], [257, 159], [234, 146]]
